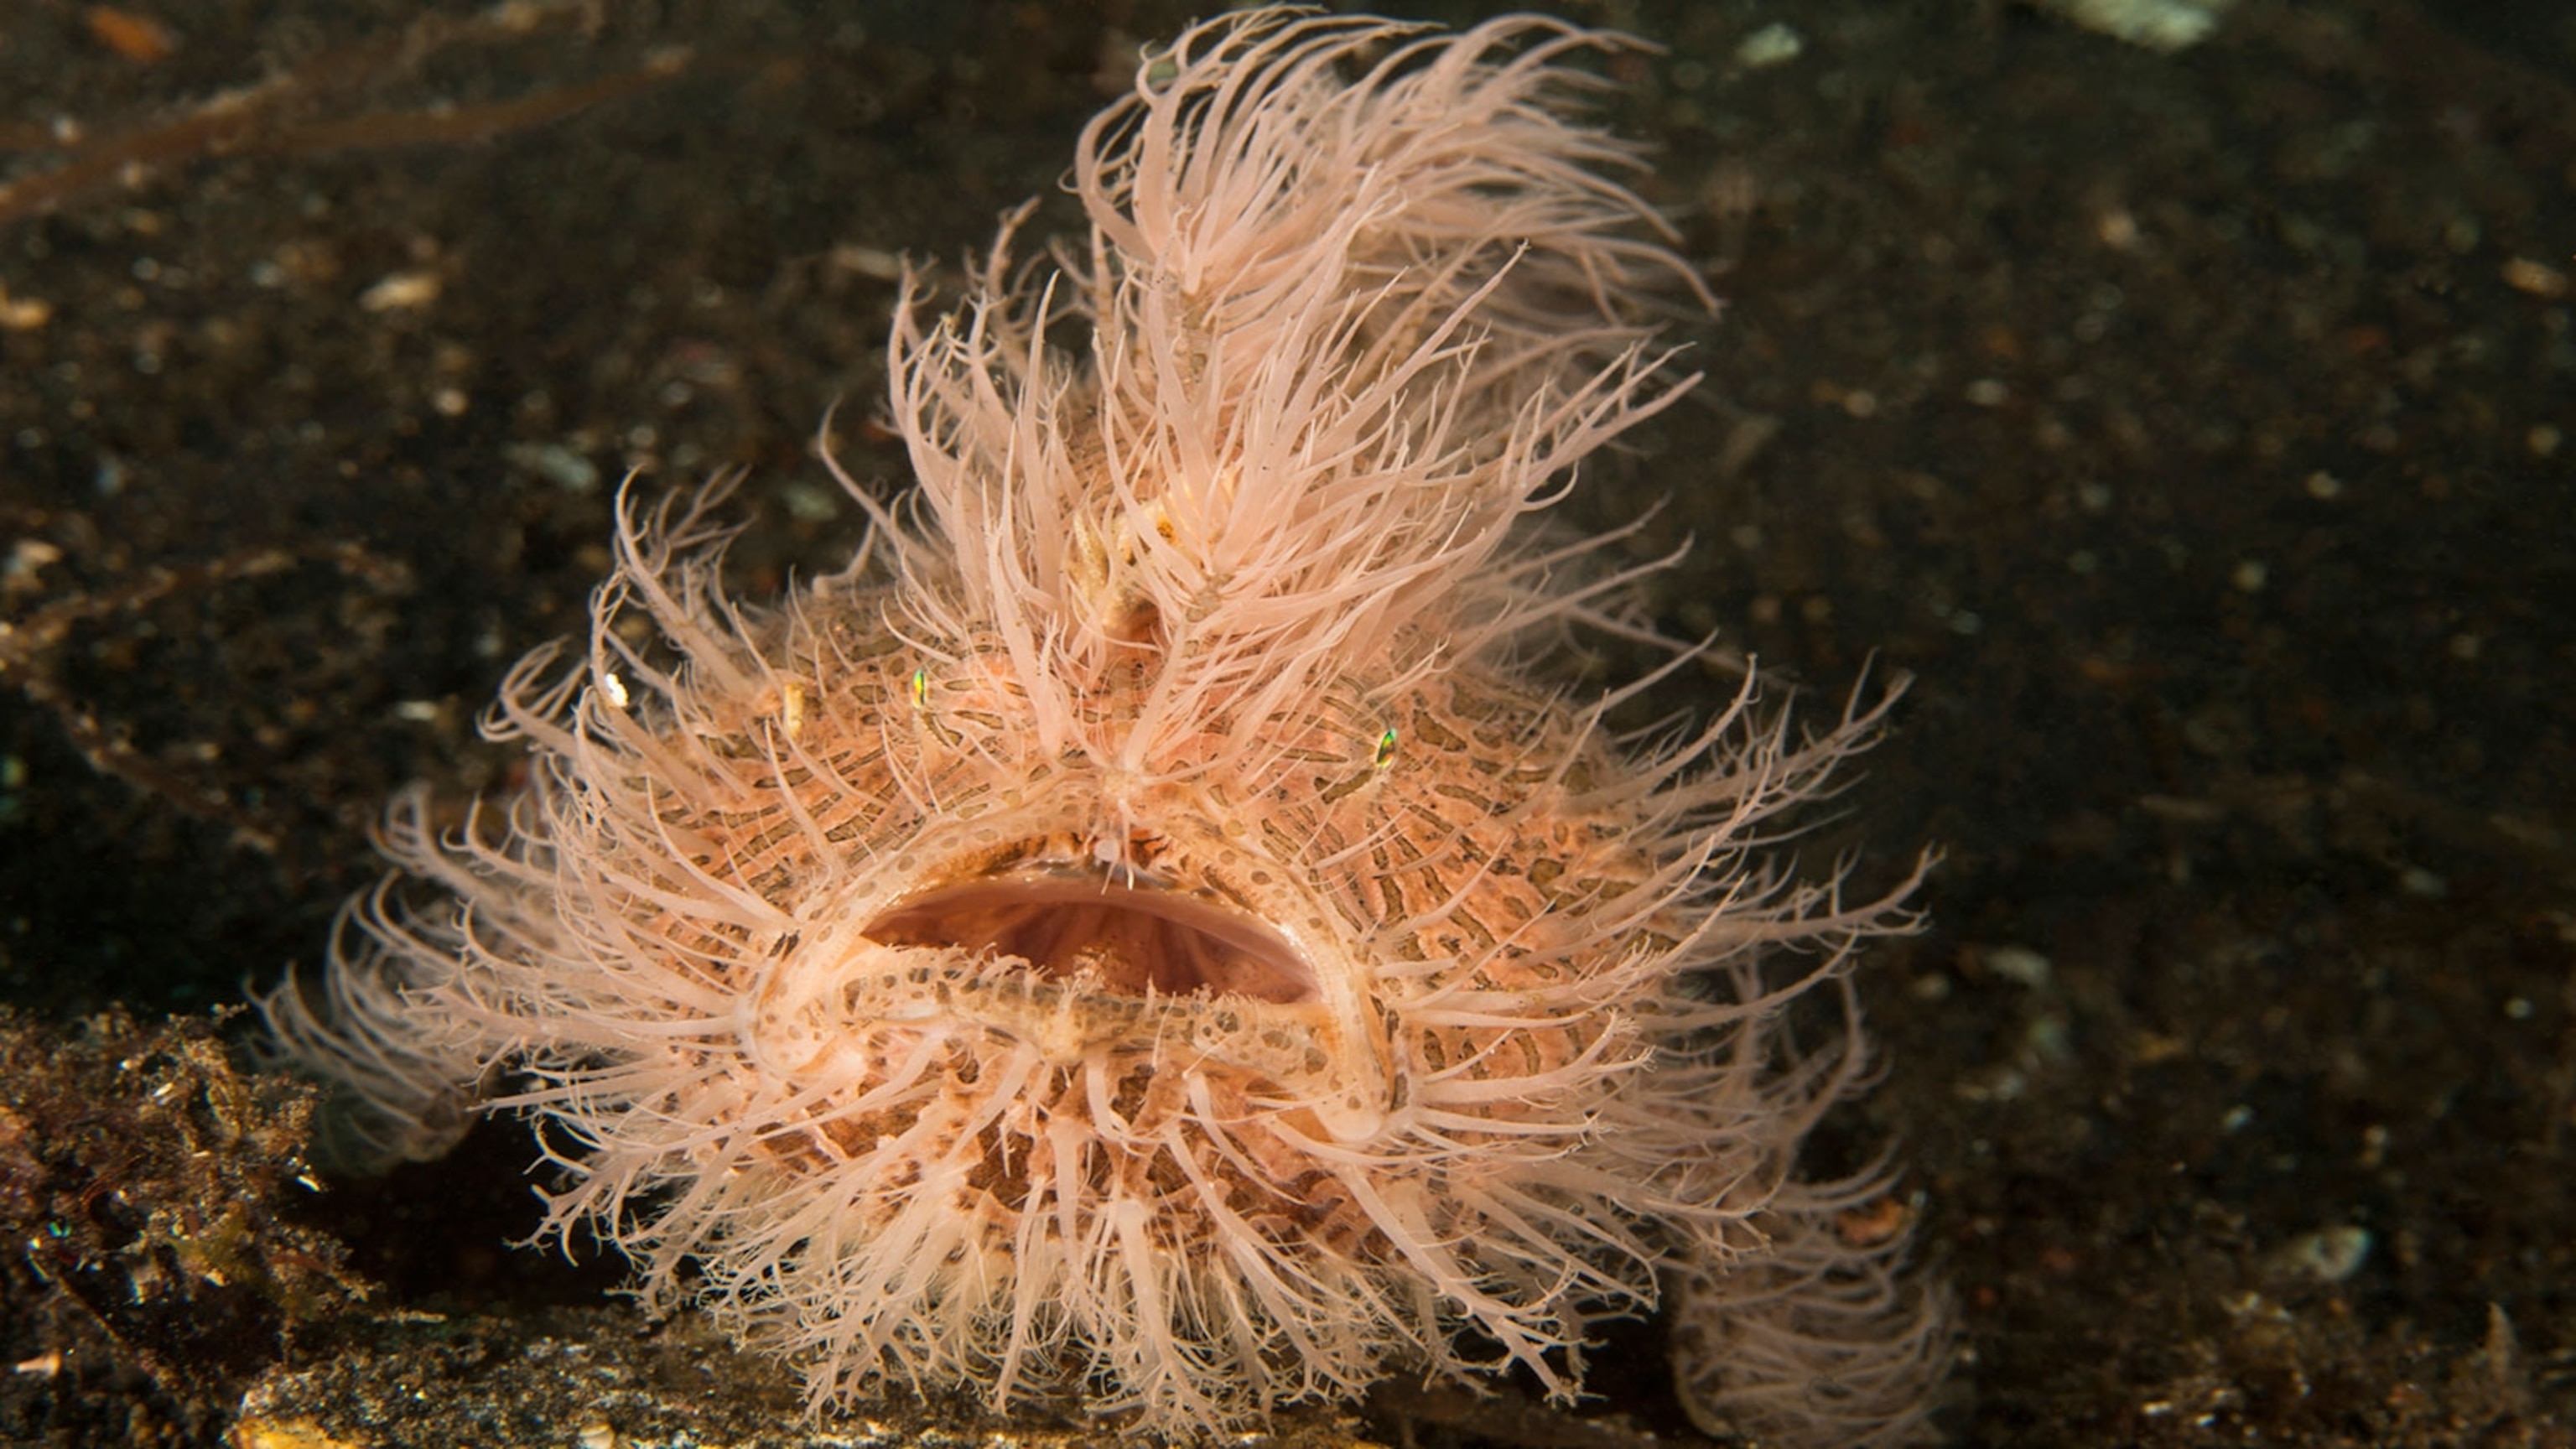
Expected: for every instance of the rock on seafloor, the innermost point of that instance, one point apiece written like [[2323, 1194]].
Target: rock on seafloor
[[150, 1196]]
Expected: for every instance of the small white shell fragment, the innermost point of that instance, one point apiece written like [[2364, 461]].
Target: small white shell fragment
[[1772, 45], [2021, 964], [401, 292], [2165, 25]]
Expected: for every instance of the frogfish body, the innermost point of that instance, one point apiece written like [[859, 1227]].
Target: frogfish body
[[1146, 933]]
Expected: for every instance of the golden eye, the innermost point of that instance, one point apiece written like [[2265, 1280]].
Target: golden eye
[[1385, 750], [921, 689]]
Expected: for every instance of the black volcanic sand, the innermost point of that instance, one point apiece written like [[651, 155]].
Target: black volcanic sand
[[2197, 431]]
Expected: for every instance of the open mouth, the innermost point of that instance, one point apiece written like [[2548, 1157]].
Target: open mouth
[[1131, 940]]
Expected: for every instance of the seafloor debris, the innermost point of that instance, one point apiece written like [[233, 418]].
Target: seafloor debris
[[33, 646], [319, 104], [145, 1194]]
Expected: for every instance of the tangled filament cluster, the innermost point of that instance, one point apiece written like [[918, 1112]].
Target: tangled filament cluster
[[1141, 933]]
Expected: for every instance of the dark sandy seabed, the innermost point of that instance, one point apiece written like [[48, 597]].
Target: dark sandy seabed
[[2197, 430]]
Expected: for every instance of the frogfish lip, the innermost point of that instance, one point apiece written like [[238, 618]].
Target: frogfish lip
[[1121, 934]]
